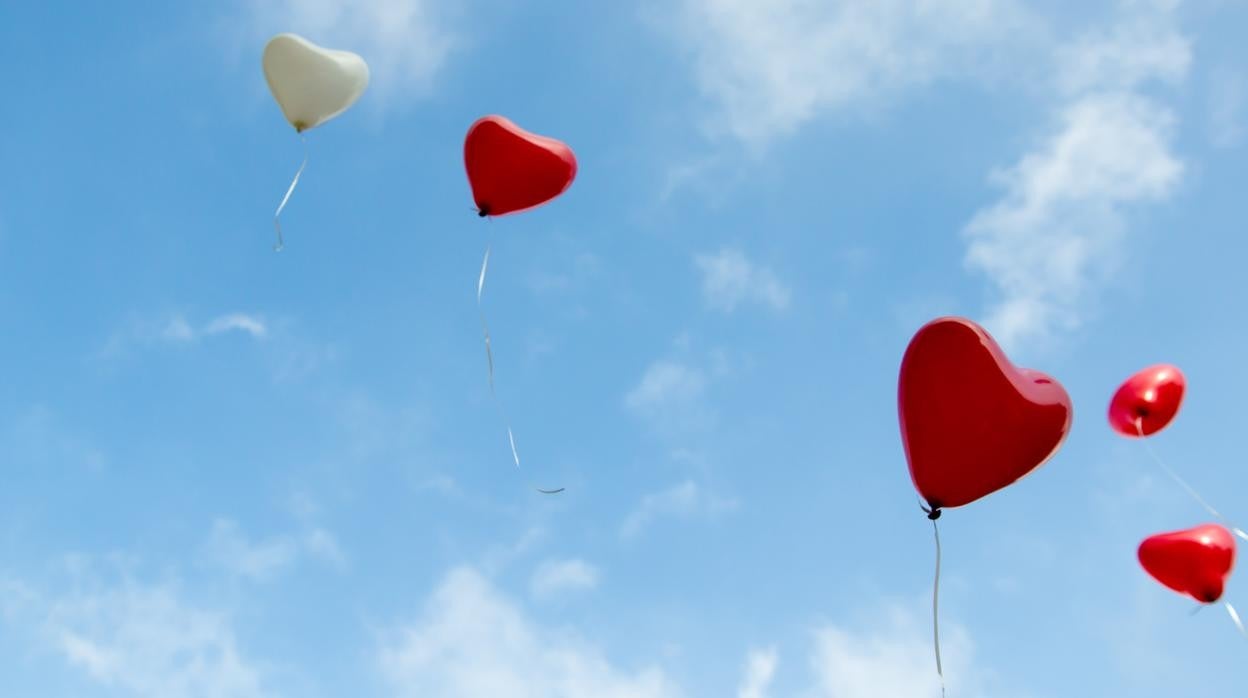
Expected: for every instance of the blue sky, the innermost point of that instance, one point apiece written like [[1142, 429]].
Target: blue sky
[[235, 473]]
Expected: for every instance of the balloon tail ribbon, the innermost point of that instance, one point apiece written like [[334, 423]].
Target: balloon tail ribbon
[[277, 217], [1230, 611], [934, 514], [1139, 427], [489, 357]]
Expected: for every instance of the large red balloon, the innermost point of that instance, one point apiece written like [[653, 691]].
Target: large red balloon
[[1196, 562], [1147, 401], [511, 169], [971, 422]]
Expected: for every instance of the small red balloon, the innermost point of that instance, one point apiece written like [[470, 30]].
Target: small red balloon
[[510, 169], [1196, 562], [1147, 401], [971, 422]]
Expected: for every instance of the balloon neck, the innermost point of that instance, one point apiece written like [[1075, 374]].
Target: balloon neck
[[483, 211], [933, 513]]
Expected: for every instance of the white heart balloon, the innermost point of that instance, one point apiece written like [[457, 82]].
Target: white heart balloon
[[312, 84]]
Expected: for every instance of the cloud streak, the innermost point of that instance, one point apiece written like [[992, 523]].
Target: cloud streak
[[685, 500], [730, 279], [1059, 227], [474, 641]]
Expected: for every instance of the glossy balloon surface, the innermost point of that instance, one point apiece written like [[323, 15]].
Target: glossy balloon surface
[[511, 170], [1196, 561], [971, 422], [312, 84], [1147, 401]]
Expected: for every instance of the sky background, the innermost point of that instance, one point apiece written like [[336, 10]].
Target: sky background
[[231, 473]]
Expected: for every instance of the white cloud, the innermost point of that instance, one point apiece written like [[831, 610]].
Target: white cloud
[[179, 330], [238, 322], [760, 668], [405, 42], [229, 548], [148, 642], [729, 279], [555, 577], [1139, 49], [770, 67], [1059, 227], [473, 641], [685, 500], [893, 657], [666, 384]]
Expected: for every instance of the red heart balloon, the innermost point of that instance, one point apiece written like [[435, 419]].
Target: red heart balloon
[[511, 169], [1196, 562], [1147, 401], [971, 422]]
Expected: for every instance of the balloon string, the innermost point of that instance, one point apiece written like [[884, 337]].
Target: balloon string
[[1139, 427], [1230, 610], [277, 223], [936, 611], [489, 357]]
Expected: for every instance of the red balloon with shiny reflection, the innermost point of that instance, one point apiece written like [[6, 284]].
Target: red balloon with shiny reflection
[[1147, 401], [511, 170], [1195, 562], [971, 422]]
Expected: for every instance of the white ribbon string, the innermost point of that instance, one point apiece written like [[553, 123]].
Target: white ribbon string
[[936, 611], [1230, 610], [277, 223], [1139, 427], [489, 357]]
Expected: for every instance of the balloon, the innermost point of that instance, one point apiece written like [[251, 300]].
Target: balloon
[[971, 422], [510, 169], [1147, 401], [312, 84], [1196, 562]]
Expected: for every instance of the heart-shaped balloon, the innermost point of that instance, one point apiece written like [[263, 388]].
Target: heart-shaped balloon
[[971, 422], [312, 84], [1196, 562], [1147, 401], [510, 169]]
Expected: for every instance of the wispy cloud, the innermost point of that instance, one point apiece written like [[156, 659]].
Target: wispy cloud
[[1059, 227], [554, 577], [177, 329], [406, 43], [228, 548], [146, 640], [730, 279], [760, 668], [666, 385], [893, 657], [474, 641], [769, 68], [685, 500], [150, 643]]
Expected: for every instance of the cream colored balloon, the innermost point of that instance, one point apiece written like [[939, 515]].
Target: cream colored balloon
[[312, 84]]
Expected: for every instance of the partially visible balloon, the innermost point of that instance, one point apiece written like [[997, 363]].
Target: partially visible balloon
[[1196, 561], [971, 422], [312, 84], [511, 170], [1147, 401]]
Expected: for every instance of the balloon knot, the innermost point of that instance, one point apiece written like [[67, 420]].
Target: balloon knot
[[483, 211], [933, 514]]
